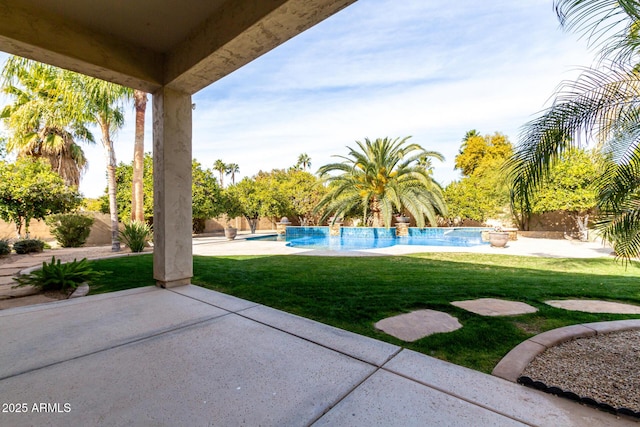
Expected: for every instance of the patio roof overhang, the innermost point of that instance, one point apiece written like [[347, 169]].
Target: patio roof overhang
[[147, 44], [171, 49]]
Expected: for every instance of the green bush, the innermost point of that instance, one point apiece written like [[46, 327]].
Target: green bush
[[70, 230], [5, 249], [136, 235], [56, 276], [27, 246]]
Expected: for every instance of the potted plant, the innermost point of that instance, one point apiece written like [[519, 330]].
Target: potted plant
[[231, 209], [402, 219], [498, 238]]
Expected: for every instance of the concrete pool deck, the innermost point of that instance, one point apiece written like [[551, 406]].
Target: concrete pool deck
[[243, 245]]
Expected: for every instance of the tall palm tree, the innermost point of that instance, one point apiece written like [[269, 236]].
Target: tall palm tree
[[104, 101], [383, 177], [221, 167], [233, 169], [601, 108], [137, 184], [43, 125], [304, 161]]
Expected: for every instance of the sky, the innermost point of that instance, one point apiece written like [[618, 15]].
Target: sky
[[432, 70]]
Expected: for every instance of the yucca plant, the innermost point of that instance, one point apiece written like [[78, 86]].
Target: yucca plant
[[136, 235], [55, 276]]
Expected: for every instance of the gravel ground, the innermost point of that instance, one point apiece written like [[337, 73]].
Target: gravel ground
[[603, 368]]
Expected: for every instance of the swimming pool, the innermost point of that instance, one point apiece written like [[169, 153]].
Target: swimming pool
[[358, 238]]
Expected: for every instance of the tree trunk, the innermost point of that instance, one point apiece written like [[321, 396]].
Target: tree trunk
[[582, 223], [112, 188], [253, 224], [376, 215], [137, 190]]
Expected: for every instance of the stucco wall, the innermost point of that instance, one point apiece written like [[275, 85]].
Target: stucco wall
[[100, 231]]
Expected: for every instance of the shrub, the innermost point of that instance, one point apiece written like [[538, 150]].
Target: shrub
[[5, 249], [56, 276], [136, 235], [70, 230], [27, 246]]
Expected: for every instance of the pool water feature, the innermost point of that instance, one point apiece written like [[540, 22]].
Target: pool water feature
[[358, 238]]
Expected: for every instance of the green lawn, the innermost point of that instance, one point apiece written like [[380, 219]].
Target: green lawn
[[355, 292]]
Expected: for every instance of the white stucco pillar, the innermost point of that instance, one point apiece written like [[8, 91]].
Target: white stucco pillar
[[172, 225]]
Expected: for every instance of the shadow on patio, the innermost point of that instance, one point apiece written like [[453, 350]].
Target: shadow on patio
[[191, 356]]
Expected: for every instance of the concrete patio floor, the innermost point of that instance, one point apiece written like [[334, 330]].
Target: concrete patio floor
[[194, 357], [191, 356]]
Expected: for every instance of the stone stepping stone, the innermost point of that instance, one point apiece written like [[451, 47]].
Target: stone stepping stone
[[595, 306], [495, 307], [418, 324]]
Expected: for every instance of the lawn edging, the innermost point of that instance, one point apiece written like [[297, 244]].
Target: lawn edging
[[514, 363]]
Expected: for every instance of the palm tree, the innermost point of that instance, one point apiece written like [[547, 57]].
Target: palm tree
[[383, 177], [42, 125], [233, 169], [304, 160], [67, 100], [137, 185], [602, 108], [470, 134], [104, 103], [221, 167]]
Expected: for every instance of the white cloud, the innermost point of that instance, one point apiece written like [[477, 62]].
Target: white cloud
[[380, 68]]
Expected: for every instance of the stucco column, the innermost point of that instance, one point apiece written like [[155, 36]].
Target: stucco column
[[172, 252]]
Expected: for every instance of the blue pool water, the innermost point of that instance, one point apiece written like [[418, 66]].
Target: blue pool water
[[355, 238]]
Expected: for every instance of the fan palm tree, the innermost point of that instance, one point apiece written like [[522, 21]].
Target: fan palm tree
[[601, 108], [104, 102], [221, 167], [233, 169], [41, 124], [383, 177], [304, 161]]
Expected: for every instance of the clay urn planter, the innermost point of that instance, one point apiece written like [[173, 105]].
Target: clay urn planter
[[230, 233], [498, 239], [402, 219]]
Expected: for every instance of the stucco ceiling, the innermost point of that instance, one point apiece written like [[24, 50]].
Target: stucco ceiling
[[154, 25], [146, 44]]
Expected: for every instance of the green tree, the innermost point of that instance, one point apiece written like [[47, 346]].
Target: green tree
[[206, 196], [29, 189], [254, 198], [297, 193], [206, 192], [480, 151], [482, 193], [601, 107], [41, 120], [124, 179], [570, 187], [382, 178]]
